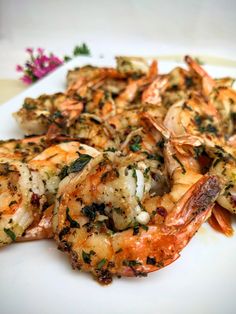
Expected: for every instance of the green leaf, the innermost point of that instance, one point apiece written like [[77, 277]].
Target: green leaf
[[10, 233], [151, 261], [135, 147], [29, 106], [63, 173], [87, 256], [73, 223], [67, 58], [135, 143], [81, 50], [101, 263], [79, 163], [131, 263], [110, 149]]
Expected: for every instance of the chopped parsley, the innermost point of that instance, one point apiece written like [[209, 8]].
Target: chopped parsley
[[64, 172], [135, 143], [90, 211], [136, 228], [155, 157], [29, 106], [198, 151], [10, 233], [63, 232], [101, 263], [204, 124], [67, 58], [146, 172], [79, 163], [81, 50], [75, 166], [131, 263], [110, 149], [151, 260], [161, 143], [118, 210], [87, 256], [73, 223]]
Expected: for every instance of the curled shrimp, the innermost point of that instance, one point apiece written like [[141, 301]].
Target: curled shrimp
[[225, 168], [21, 193], [36, 115], [24, 149], [196, 117], [28, 189], [135, 86], [152, 95], [183, 169], [52, 165], [106, 231], [219, 95]]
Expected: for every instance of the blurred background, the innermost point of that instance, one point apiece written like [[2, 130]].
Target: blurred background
[[135, 27]]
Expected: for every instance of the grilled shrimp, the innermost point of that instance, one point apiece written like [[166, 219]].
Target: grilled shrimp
[[101, 222], [90, 129], [218, 93], [226, 170], [36, 115], [180, 162], [51, 161], [135, 87], [207, 119], [52, 165], [23, 150], [20, 187]]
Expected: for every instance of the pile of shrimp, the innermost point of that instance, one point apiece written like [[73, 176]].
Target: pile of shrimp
[[124, 167]]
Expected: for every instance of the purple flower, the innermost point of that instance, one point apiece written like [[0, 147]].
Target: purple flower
[[38, 65], [26, 79], [40, 51], [38, 72], [19, 68], [29, 50]]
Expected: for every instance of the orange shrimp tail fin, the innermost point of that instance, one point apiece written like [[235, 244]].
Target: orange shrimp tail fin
[[169, 239], [41, 229], [203, 193], [153, 70], [208, 81], [220, 220]]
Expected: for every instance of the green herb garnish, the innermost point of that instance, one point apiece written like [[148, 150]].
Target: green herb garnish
[[81, 50], [131, 263], [87, 256], [151, 261], [101, 263], [135, 144], [75, 166], [10, 233], [29, 106], [73, 223]]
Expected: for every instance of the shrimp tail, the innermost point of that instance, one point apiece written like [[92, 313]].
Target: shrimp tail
[[40, 230], [220, 220], [202, 193], [169, 239], [208, 81]]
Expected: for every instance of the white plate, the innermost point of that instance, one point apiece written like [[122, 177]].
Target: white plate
[[35, 278]]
